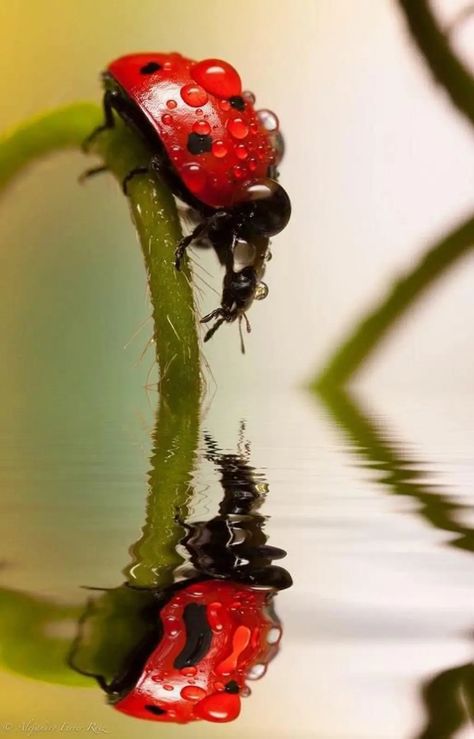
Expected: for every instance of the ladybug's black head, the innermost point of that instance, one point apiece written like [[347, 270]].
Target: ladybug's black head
[[264, 207]]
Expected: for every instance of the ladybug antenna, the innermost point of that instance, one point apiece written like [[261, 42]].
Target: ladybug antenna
[[248, 327]]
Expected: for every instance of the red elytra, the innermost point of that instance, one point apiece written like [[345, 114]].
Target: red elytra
[[238, 622], [178, 97]]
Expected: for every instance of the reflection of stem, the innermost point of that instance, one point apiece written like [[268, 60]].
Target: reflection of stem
[[399, 474], [365, 337], [174, 450], [449, 702], [434, 44]]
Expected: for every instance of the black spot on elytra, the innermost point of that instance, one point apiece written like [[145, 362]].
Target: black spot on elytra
[[231, 687], [237, 102], [198, 144], [155, 709], [150, 67], [198, 636]]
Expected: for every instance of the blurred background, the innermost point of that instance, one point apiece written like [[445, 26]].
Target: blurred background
[[378, 166]]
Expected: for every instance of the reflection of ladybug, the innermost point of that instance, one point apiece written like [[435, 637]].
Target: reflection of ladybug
[[216, 153], [214, 635]]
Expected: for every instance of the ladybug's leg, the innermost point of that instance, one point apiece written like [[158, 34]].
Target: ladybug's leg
[[108, 103], [212, 222], [200, 229], [92, 172], [133, 173]]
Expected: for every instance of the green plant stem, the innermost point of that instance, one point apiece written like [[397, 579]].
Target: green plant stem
[[155, 555], [366, 336], [154, 213], [435, 46]]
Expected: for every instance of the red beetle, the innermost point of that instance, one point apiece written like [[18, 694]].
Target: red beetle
[[215, 634], [216, 153]]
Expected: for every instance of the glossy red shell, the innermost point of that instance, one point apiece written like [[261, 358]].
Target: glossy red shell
[[183, 95], [242, 629]]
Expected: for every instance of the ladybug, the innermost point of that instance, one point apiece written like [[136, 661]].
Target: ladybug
[[216, 153], [179, 654]]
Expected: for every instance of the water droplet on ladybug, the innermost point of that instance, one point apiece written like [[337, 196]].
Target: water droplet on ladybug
[[167, 66], [273, 636], [241, 151], [193, 693], [167, 119], [219, 149], [268, 120], [171, 104], [249, 97], [238, 128], [199, 111], [194, 95], [194, 177], [261, 153], [245, 691], [219, 707], [172, 626], [253, 127], [217, 77], [168, 687], [202, 128], [224, 105], [278, 145], [188, 671], [252, 164], [256, 671]]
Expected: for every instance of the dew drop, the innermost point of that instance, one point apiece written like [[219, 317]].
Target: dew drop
[[202, 128], [188, 671], [193, 693], [194, 176], [273, 636], [167, 119], [167, 66], [252, 164], [171, 104], [217, 77], [219, 149], [214, 616], [238, 128], [224, 105], [256, 671], [241, 151], [168, 687], [194, 95], [219, 707], [249, 97], [239, 174], [268, 120]]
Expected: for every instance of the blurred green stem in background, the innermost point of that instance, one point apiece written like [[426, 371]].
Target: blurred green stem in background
[[434, 43], [396, 472], [366, 336]]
